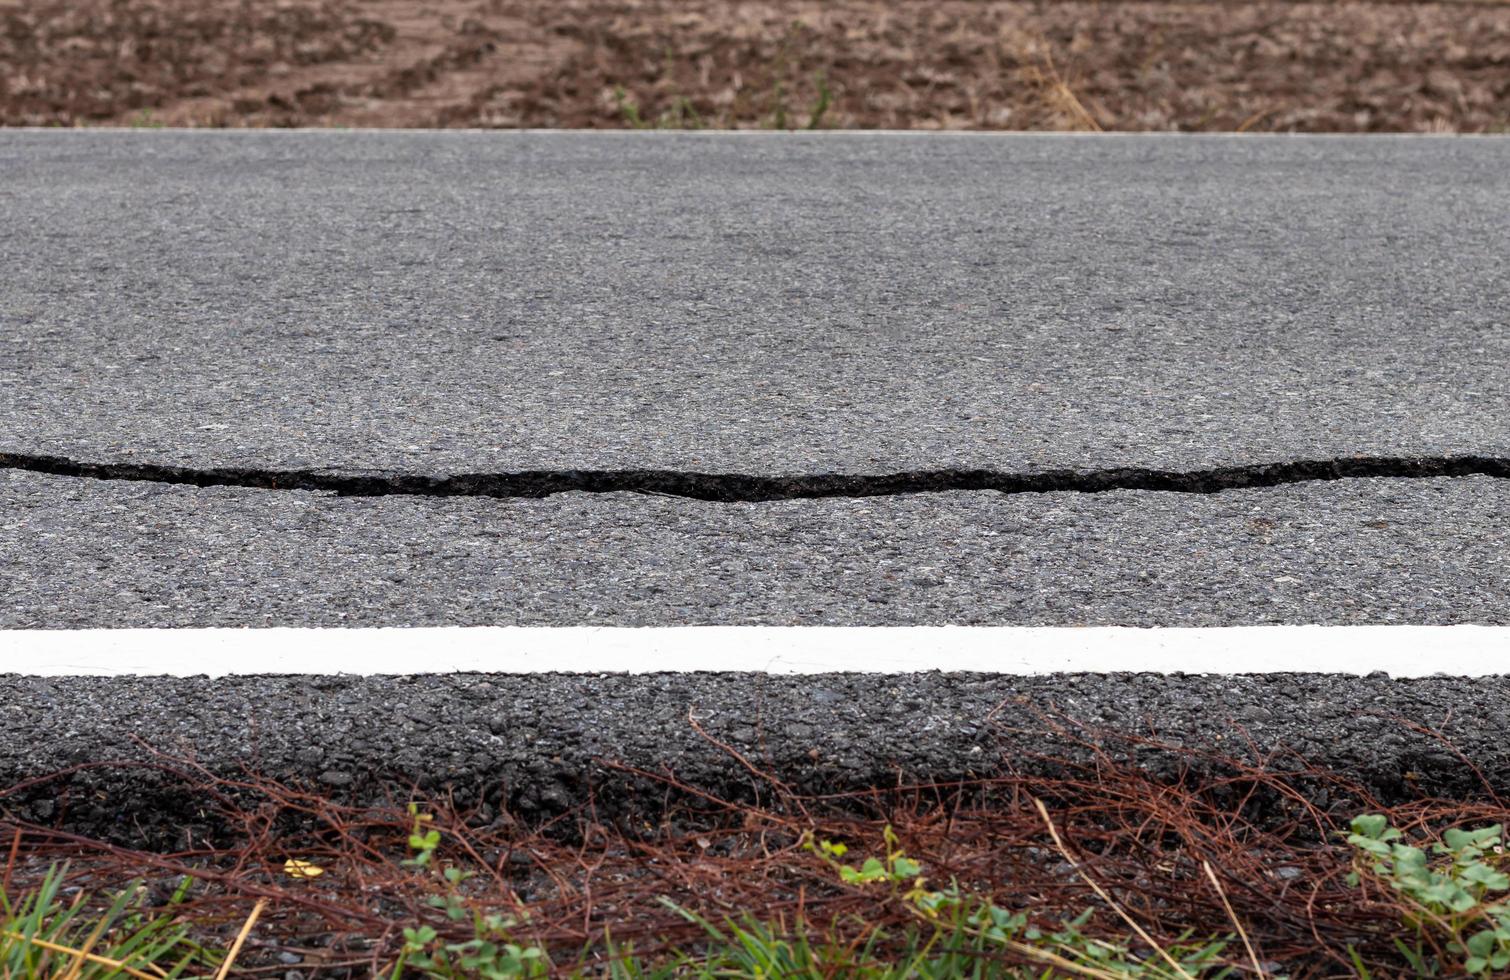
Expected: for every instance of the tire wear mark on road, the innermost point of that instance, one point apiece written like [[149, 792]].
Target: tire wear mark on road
[[748, 488]]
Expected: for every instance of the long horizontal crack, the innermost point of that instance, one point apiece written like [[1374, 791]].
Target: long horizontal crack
[[742, 488]]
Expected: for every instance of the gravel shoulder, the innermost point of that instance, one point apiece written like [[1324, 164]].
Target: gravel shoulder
[[535, 747]]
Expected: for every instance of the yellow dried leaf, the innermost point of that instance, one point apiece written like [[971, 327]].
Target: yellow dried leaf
[[295, 868]]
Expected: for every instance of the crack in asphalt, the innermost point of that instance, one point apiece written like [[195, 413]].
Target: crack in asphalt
[[745, 488]]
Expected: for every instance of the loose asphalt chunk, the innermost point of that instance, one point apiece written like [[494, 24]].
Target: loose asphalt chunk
[[432, 304]]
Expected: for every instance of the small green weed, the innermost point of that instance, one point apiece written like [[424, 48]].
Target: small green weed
[[821, 106], [778, 116], [774, 109], [1452, 892], [143, 120], [955, 934], [960, 931], [629, 110], [490, 954], [681, 114]]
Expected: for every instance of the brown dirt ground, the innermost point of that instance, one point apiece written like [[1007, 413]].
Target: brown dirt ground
[[944, 64]]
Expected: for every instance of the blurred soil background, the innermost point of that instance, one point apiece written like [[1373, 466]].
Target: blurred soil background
[[943, 64]]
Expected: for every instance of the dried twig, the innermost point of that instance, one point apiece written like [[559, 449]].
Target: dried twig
[[235, 950], [1101, 892], [1237, 923]]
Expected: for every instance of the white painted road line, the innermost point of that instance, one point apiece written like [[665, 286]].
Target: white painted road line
[[1402, 651]]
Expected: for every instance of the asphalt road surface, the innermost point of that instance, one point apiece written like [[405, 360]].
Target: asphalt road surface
[[758, 304], [91, 553], [253, 379]]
